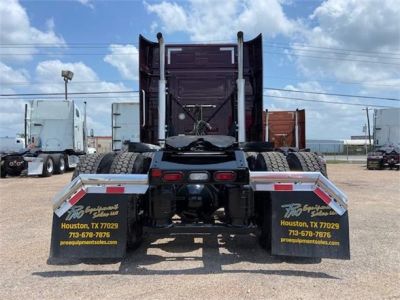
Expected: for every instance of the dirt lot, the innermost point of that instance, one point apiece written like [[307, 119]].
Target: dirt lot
[[204, 267]]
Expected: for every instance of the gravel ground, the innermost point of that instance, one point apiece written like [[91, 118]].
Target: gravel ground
[[204, 267]]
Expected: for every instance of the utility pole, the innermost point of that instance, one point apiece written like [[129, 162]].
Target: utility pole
[[369, 130]]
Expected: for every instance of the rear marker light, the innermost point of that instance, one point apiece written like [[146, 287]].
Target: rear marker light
[[115, 190], [156, 173], [324, 196], [287, 187], [172, 177], [225, 176], [78, 196], [198, 176]]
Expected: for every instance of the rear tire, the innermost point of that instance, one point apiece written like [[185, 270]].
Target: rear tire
[[127, 163], [59, 164], [3, 171], [274, 162], [93, 164], [131, 163], [306, 162], [48, 166]]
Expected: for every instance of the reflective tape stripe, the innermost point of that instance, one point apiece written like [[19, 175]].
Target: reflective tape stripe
[[324, 196], [78, 196], [287, 187], [115, 190]]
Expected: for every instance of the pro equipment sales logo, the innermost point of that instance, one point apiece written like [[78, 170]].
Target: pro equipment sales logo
[[78, 211], [296, 209]]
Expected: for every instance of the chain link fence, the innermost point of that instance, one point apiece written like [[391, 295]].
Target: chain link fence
[[339, 151]]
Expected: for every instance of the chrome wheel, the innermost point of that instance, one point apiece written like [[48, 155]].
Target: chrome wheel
[[50, 166]]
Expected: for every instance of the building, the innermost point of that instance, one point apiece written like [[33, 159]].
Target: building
[[102, 144], [353, 146], [325, 146]]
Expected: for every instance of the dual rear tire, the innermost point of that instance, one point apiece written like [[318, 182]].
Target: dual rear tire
[[122, 163]]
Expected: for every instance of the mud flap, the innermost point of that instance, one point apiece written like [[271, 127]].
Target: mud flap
[[95, 227], [303, 225]]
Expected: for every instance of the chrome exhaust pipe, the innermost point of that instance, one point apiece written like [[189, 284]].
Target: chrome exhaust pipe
[[240, 92], [161, 92]]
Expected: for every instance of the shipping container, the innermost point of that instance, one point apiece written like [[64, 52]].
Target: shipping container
[[285, 128]]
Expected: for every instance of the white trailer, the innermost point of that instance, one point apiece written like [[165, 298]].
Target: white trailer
[[386, 127], [55, 135], [125, 124]]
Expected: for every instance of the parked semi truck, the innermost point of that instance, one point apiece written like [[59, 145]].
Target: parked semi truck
[[201, 166], [386, 133], [55, 135], [125, 124]]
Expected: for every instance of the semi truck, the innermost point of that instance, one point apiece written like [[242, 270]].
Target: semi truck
[[125, 124], [55, 137], [386, 136], [201, 166]]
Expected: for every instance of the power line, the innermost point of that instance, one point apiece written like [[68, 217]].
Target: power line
[[334, 48], [49, 96], [267, 88], [117, 43], [265, 52], [132, 80], [333, 81], [332, 94], [58, 94], [76, 98], [269, 96], [332, 52], [333, 58], [327, 102]]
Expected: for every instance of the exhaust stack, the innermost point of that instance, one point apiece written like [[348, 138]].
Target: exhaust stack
[[240, 92], [161, 92]]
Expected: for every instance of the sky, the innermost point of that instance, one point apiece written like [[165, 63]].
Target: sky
[[333, 46]]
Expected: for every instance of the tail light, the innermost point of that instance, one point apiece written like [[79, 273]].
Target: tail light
[[224, 176], [156, 173], [172, 176]]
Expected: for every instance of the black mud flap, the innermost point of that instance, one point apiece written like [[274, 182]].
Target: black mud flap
[[95, 227], [304, 226]]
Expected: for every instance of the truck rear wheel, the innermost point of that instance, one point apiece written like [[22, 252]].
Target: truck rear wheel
[[127, 163], [97, 163], [48, 165], [307, 162], [274, 162], [3, 170], [131, 163], [59, 164]]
